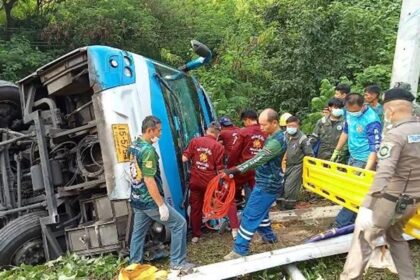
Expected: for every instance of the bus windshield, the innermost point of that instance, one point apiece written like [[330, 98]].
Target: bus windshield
[[182, 103]]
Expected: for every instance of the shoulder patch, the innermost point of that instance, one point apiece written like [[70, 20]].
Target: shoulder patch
[[385, 150], [149, 164], [414, 138]]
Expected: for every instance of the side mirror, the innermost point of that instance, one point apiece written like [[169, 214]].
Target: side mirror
[[200, 49]]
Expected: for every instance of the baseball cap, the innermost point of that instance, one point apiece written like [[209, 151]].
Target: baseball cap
[[225, 121]]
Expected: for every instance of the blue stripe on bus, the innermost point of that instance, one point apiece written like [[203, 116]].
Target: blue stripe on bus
[[166, 144]]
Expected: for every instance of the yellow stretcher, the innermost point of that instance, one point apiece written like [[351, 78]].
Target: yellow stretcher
[[345, 185]]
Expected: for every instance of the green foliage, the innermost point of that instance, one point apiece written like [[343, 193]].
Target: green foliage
[[68, 268], [19, 58], [266, 53]]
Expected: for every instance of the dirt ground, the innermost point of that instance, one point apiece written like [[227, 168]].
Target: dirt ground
[[213, 245]]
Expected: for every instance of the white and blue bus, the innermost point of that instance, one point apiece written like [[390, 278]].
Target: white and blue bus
[[65, 182]]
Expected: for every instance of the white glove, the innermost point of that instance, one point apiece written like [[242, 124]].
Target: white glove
[[364, 218], [164, 212]]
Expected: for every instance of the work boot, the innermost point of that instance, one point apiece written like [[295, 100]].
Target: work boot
[[231, 256], [182, 269]]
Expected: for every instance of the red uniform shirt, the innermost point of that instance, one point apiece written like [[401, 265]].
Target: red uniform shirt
[[229, 137], [206, 155], [251, 139]]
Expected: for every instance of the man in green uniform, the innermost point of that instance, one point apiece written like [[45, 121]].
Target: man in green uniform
[[147, 201], [394, 195], [328, 129], [268, 182], [298, 146]]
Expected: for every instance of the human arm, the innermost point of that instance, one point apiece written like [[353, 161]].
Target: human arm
[[272, 148], [389, 154], [188, 153], [340, 144], [373, 131], [307, 148], [149, 164], [314, 136]]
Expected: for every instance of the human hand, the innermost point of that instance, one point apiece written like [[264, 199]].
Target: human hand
[[164, 212], [364, 218], [231, 172], [335, 155]]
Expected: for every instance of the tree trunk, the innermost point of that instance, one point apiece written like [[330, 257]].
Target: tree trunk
[[8, 6]]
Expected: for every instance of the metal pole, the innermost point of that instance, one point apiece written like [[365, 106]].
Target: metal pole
[[406, 66], [32, 206]]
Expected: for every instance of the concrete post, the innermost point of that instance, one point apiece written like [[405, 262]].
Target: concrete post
[[406, 66]]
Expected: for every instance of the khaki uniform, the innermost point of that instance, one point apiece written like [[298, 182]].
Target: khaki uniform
[[298, 146], [398, 155]]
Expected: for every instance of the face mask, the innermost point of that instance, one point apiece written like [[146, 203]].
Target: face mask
[[291, 130], [337, 112], [154, 140], [355, 114]]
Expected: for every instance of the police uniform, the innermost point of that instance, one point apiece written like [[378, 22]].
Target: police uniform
[[398, 172], [298, 146], [206, 155], [327, 132]]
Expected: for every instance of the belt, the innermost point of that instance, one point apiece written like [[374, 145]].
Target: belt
[[412, 200]]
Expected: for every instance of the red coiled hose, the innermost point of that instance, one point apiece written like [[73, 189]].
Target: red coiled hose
[[219, 196]]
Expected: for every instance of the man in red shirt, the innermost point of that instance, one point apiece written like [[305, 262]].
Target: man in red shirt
[[250, 140], [206, 156], [228, 138]]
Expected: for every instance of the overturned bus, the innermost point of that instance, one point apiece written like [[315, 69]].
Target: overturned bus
[[65, 130]]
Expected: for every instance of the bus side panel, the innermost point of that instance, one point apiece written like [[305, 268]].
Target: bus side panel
[[169, 164], [129, 105]]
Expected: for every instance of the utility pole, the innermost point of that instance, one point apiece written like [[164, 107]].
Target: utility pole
[[406, 66]]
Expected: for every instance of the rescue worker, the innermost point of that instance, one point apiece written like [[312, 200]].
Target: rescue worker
[[250, 141], [298, 146], [328, 130], [228, 137], [372, 94], [268, 183], [283, 119], [206, 156], [362, 132], [341, 91], [147, 200], [395, 193], [326, 111]]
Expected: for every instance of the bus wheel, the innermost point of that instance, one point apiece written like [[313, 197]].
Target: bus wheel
[[21, 240]]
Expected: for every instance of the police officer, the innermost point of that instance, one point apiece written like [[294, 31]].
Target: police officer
[[268, 183], [206, 156], [395, 193], [328, 129], [298, 146], [147, 200]]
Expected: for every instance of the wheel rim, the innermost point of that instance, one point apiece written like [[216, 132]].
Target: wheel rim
[[31, 252]]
